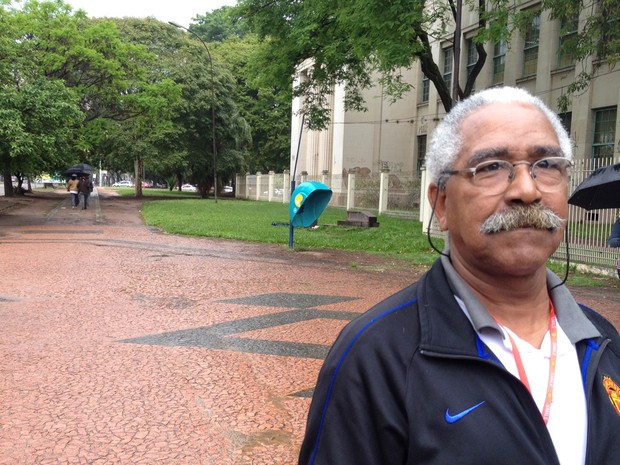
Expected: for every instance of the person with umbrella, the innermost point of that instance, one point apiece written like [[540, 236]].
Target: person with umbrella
[[487, 358], [85, 187], [72, 188]]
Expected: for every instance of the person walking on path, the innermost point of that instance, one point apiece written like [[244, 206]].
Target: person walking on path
[[72, 188], [487, 358], [85, 187]]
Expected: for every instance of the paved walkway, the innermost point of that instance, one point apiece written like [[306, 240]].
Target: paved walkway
[[123, 345]]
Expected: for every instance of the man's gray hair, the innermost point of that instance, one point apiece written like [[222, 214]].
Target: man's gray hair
[[446, 141]]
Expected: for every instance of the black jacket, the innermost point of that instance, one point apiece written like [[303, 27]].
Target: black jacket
[[384, 391], [85, 186]]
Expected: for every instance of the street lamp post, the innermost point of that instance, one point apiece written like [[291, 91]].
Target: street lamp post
[[212, 105]]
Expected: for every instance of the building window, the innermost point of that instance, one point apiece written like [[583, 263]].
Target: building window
[[421, 151], [499, 62], [566, 120], [448, 62], [568, 37], [472, 58], [426, 86], [604, 132], [610, 33], [530, 47]]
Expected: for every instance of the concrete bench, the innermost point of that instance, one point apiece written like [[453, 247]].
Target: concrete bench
[[49, 184], [360, 219]]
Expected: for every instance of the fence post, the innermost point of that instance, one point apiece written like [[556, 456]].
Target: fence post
[[286, 194], [237, 184], [303, 177], [384, 186], [351, 190], [425, 208], [272, 175], [324, 176], [259, 178], [247, 186]]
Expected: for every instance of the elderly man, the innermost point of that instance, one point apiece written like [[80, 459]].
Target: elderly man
[[487, 359]]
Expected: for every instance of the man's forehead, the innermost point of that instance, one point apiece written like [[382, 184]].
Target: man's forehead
[[493, 109]]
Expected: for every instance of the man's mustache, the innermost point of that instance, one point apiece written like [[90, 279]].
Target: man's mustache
[[533, 216]]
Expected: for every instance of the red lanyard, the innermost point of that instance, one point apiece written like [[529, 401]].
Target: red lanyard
[[553, 333]]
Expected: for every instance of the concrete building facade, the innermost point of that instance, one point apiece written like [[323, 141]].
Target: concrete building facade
[[393, 135]]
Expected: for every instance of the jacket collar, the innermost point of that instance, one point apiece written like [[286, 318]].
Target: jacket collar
[[570, 317]]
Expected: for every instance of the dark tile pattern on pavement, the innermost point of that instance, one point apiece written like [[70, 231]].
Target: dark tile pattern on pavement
[[219, 336]]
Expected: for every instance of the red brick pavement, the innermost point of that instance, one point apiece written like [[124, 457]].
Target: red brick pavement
[[123, 345]]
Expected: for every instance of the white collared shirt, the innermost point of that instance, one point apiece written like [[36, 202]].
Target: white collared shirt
[[568, 421]]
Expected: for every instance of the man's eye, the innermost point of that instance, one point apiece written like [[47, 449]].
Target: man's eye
[[490, 167]]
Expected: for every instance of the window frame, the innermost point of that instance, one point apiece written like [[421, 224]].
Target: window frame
[[499, 60], [472, 59], [448, 66], [603, 139], [426, 88], [565, 60], [422, 141], [531, 44]]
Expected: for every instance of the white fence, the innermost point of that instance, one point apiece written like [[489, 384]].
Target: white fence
[[405, 195], [383, 194]]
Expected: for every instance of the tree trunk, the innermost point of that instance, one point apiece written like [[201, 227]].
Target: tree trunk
[[137, 165], [6, 175]]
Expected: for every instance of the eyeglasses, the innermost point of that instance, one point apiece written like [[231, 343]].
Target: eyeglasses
[[495, 176]]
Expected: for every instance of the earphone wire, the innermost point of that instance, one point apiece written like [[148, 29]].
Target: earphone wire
[[430, 222], [567, 260]]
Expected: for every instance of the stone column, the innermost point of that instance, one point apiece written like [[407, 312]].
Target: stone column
[[286, 196], [384, 190], [351, 190], [325, 177], [259, 179], [272, 176]]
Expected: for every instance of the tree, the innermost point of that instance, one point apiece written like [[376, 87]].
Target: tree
[[39, 114], [46, 42], [265, 106], [218, 26], [350, 42], [176, 138], [36, 126]]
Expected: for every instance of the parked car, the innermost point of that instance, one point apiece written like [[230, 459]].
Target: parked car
[[188, 188], [228, 189], [123, 184]]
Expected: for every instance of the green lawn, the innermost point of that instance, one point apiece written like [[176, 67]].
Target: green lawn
[[266, 222]]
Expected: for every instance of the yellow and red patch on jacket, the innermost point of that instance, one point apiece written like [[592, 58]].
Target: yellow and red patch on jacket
[[613, 391]]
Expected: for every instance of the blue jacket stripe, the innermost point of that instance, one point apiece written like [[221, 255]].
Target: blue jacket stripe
[[339, 365], [590, 346]]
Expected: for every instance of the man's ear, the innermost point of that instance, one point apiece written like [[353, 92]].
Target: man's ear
[[437, 198]]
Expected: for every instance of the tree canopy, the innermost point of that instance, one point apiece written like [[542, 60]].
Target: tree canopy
[[133, 95], [350, 42]]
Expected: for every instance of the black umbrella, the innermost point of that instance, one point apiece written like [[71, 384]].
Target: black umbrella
[[80, 169], [599, 190]]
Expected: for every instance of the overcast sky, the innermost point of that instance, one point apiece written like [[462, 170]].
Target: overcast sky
[[179, 11]]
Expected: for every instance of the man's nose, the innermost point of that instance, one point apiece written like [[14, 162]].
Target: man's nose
[[523, 187]]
